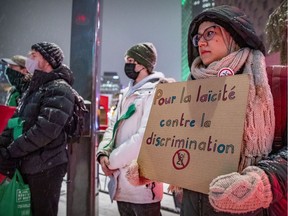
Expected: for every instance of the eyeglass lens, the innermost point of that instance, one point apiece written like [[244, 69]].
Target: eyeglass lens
[[208, 34]]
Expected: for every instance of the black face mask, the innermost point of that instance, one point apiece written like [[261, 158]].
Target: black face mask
[[16, 79], [130, 71]]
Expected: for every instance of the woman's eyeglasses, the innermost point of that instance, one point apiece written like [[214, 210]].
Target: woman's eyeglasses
[[208, 34]]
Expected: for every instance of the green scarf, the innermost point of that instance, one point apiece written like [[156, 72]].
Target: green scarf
[[131, 110]]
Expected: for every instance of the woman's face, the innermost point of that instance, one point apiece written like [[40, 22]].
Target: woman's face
[[213, 49]]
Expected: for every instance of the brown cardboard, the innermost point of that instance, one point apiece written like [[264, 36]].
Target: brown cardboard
[[215, 124]]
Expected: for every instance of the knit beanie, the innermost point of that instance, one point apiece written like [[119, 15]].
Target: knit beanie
[[233, 20], [51, 52], [145, 54]]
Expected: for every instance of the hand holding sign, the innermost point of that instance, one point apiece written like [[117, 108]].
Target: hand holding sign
[[133, 175], [241, 193], [190, 138]]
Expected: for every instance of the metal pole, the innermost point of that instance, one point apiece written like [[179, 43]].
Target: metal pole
[[82, 187]]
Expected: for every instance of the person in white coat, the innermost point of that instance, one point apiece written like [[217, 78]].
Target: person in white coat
[[122, 140]]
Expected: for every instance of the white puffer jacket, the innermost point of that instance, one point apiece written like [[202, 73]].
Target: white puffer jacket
[[128, 142]]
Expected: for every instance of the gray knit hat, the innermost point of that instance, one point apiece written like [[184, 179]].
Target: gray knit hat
[[51, 52], [145, 54]]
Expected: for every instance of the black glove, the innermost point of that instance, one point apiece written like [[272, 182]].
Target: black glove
[[8, 165], [4, 154]]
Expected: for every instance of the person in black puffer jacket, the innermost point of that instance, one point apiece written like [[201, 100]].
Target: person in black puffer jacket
[[36, 136]]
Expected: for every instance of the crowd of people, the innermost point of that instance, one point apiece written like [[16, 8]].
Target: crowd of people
[[219, 37]]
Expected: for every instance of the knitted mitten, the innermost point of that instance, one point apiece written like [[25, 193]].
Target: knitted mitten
[[241, 193], [133, 175]]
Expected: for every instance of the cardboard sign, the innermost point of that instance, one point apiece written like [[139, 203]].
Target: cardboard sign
[[194, 132]]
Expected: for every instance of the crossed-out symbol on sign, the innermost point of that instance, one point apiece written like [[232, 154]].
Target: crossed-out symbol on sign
[[181, 159]]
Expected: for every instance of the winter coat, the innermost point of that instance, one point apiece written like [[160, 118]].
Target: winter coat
[[276, 169], [128, 142], [44, 109], [275, 166]]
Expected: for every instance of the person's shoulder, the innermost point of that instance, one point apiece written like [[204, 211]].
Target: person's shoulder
[[60, 86], [58, 83]]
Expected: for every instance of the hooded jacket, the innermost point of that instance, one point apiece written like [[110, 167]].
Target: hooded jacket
[[233, 20], [128, 142], [44, 111]]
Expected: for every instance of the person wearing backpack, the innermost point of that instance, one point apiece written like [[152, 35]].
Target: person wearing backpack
[[122, 140], [36, 133]]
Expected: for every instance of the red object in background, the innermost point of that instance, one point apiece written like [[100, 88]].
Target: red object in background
[[277, 78], [104, 109], [2, 178], [6, 112]]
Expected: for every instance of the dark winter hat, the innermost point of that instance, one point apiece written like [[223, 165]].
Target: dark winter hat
[[233, 20], [15, 60], [145, 54], [51, 52]]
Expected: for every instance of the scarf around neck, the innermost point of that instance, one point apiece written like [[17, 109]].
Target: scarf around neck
[[259, 124]]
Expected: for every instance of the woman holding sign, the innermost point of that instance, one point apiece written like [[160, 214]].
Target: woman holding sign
[[222, 42]]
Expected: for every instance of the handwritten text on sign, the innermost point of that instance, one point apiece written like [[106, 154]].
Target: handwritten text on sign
[[194, 131]]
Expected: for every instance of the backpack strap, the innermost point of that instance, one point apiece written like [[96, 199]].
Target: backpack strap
[[80, 104]]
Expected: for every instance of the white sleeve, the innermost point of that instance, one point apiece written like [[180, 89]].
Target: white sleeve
[[129, 150]]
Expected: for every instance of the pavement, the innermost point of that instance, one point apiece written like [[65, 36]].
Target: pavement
[[106, 208]]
